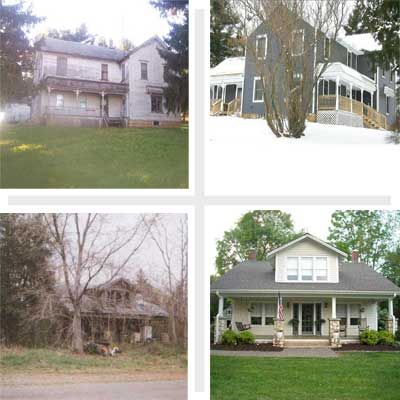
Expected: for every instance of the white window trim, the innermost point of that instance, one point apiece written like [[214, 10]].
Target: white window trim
[[256, 78], [266, 46], [263, 313], [314, 276], [302, 43]]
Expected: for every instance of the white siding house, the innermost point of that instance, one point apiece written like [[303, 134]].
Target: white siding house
[[96, 86]]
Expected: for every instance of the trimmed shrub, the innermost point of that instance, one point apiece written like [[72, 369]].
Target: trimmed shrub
[[385, 337], [369, 337], [229, 337], [246, 337]]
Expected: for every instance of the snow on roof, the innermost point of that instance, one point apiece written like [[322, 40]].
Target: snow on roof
[[362, 42], [230, 66]]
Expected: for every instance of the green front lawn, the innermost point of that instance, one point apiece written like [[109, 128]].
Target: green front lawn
[[66, 157], [351, 376]]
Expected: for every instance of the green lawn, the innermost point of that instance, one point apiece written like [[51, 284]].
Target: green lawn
[[352, 376], [155, 357], [65, 157]]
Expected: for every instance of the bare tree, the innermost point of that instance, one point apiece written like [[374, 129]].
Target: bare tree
[[298, 55], [86, 250], [175, 260]]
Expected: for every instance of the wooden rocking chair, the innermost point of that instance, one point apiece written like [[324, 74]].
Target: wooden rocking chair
[[242, 327]]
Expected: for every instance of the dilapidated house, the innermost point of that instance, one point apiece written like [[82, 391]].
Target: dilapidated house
[[117, 312]]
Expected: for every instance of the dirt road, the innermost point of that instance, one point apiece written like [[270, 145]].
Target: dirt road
[[152, 390]]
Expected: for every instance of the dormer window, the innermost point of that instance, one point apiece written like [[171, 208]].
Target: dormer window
[[307, 269]]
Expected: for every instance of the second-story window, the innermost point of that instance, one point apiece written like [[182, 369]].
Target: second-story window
[[61, 66], [321, 268], [298, 42], [143, 71], [261, 46], [307, 268], [104, 72], [292, 269]]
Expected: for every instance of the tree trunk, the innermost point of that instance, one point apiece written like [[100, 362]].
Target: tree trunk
[[77, 342], [173, 325]]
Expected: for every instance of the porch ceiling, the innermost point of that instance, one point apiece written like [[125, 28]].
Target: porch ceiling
[[83, 85], [348, 75]]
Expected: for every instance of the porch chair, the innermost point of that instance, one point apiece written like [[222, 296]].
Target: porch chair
[[242, 327]]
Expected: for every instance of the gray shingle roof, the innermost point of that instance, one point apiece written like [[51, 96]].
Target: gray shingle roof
[[80, 49], [259, 275]]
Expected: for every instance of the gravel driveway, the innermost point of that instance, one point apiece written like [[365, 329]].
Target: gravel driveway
[[157, 390]]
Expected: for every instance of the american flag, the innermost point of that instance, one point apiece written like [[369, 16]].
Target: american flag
[[280, 308]]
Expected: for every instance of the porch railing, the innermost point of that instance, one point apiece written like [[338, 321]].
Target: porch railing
[[216, 107], [234, 106], [73, 111], [328, 102]]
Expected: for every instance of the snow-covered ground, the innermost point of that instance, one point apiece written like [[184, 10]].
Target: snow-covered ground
[[243, 157], [237, 129]]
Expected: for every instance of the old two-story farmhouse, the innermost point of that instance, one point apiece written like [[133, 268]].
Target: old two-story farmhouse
[[116, 312], [351, 91], [303, 291], [87, 85]]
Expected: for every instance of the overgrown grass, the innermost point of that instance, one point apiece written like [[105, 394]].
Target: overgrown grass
[[66, 157], [152, 357], [354, 376]]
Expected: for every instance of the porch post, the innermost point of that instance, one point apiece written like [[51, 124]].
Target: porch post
[[300, 319], [390, 325], [219, 319], [362, 96], [223, 97], [351, 97], [337, 93], [347, 317], [102, 104], [334, 326], [334, 307], [77, 98], [314, 319]]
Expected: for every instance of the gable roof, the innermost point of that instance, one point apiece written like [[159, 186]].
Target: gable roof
[[361, 42], [230, 66], [81, 49], [260, 276], [304, 237], [153, 39]]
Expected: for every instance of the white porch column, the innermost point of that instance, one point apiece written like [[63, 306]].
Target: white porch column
[[300, 319], [220, 305], [391, 316], [333, 307], [48, 95], [223, 97], [351, 97], [390, 301], [337, 93], [347, 316], [362, 96], [77, 98], [219, 315], [314, 319], [102, 104]]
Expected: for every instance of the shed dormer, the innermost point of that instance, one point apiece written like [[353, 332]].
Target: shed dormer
[[306, 259]]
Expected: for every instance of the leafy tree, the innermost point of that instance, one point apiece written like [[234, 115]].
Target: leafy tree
[[382, 19], [16, 53], [176, 71], [80, 35], [261, 230], [223, 36], [127, 45], [372, 233], [391, 269], [25, 271], [102, 41]]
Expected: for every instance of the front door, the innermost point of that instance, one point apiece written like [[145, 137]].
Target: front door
[[307, 319]]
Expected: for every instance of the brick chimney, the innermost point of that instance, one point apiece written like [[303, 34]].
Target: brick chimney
[[252, 255], [355, 256]]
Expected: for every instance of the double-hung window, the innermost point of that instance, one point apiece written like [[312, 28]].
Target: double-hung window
[[143, 71], [321, 269], [270, 313], [261, 46], [306, 267], [292, 269], [83, 102], [256, 313], [341, 313], [60, 100], [258, 90], [298, 42], [355, 314], [387, 104], [104, 72], [156, 103]]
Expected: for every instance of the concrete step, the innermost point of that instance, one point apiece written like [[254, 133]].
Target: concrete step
[[306, 343]]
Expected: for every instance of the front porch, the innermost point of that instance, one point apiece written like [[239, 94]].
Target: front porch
[[226, 98], [319, 320], [346, 97]]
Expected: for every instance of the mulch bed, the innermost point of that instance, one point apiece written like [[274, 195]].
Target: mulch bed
[[246, 347], [364, 347]]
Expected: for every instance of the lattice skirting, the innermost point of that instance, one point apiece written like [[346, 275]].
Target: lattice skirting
[[339, 118]]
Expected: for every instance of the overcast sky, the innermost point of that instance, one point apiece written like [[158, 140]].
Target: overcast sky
[[135, 20], [148, 258], [314, 220]]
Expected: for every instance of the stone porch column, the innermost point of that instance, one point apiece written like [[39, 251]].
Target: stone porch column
[[220, 322], [279, 337], [389, 323], [334, 326]]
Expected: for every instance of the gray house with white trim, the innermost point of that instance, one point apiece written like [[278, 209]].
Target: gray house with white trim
[[322, 297], [351, 90]]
